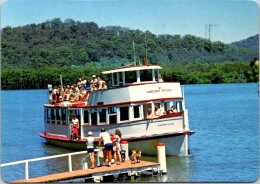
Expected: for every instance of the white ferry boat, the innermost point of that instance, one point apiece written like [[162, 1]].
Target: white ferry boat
[[124, 106]]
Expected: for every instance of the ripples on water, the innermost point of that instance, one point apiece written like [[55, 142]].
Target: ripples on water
[[224, 148]]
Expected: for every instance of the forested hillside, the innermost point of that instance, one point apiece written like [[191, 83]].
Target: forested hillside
[[57, 44], [196, 73], [36, 55], [251, 43]]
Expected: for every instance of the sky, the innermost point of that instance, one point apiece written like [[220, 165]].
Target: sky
[[234, 20]]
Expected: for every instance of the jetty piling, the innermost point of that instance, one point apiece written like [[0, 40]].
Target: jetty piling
[[161, 154], [124, 146]]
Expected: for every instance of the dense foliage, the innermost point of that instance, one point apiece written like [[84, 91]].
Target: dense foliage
[[252, 43], [196, 73], [36, 55], [57, 44]]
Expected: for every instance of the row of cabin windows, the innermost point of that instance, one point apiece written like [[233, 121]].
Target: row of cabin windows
[[58, 116], [110, 115], [103, 115], [131, 76]]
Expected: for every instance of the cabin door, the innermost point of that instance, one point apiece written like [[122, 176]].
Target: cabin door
[[70, 117], [145, 109]]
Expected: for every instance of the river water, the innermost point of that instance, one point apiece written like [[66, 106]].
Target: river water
[[224, 148]]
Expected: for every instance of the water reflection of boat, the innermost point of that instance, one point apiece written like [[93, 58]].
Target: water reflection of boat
[[134, 90]]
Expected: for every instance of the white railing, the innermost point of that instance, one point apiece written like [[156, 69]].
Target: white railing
[[26, 162]]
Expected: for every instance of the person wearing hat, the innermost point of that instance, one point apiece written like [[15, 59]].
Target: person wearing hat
[[94, 79], [90, 149]]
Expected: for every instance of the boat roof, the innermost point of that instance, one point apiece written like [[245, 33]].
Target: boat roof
[[132, 68]]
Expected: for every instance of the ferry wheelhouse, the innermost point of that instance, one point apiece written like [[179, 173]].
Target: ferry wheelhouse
[[124, 106]]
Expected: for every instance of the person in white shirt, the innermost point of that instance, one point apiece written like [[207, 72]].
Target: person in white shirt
[[157, 112], [90, 149], [104, 136], [173, 110], [83, 82], [94, 79], [75, 125]]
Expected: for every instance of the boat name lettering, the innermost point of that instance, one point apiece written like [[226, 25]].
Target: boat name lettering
[[153, 91], [160, 89], [162, 125]]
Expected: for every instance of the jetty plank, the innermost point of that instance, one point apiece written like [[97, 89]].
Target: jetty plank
[[85, 172]]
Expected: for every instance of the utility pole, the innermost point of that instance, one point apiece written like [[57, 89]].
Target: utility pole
[[208, 26]]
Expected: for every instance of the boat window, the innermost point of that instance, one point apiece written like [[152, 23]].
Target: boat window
[[48, 115], [111, 110], [63, 116], [70, 115], [115, 79], [58, 114], [158, 104], [166, 106], [102, 116], [120, 79], [74, 111], [86, 116], [156, 72], [130, 77], [53, 114], [137, 111], [146, 75], [124, 113], [112, 115], [93, 115], [145, 109], [180, 107]]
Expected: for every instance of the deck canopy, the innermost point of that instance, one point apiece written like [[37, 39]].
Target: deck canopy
[[133, 74], [132, 68]]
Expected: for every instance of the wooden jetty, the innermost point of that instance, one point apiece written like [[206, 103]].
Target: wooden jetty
[[96, 174], [104, 173]]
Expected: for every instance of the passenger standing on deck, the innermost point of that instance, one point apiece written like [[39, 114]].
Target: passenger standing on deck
[[90, 149], [104, 86], [160, 78], [173, 110], [117, 147], [75, 124], [94, 79], [94, 88], [157, 112], [149, 115], [83, 83], [104, 136]]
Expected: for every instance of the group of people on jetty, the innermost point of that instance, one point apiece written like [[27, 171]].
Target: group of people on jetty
[[112, 144], [79, 91]]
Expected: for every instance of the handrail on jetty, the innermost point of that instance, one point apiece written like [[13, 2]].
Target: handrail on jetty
[[49, 157]]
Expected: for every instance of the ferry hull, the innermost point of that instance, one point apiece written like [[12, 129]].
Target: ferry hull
[[176, 145]]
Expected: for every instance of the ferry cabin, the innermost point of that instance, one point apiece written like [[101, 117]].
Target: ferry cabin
[[124, 106]]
